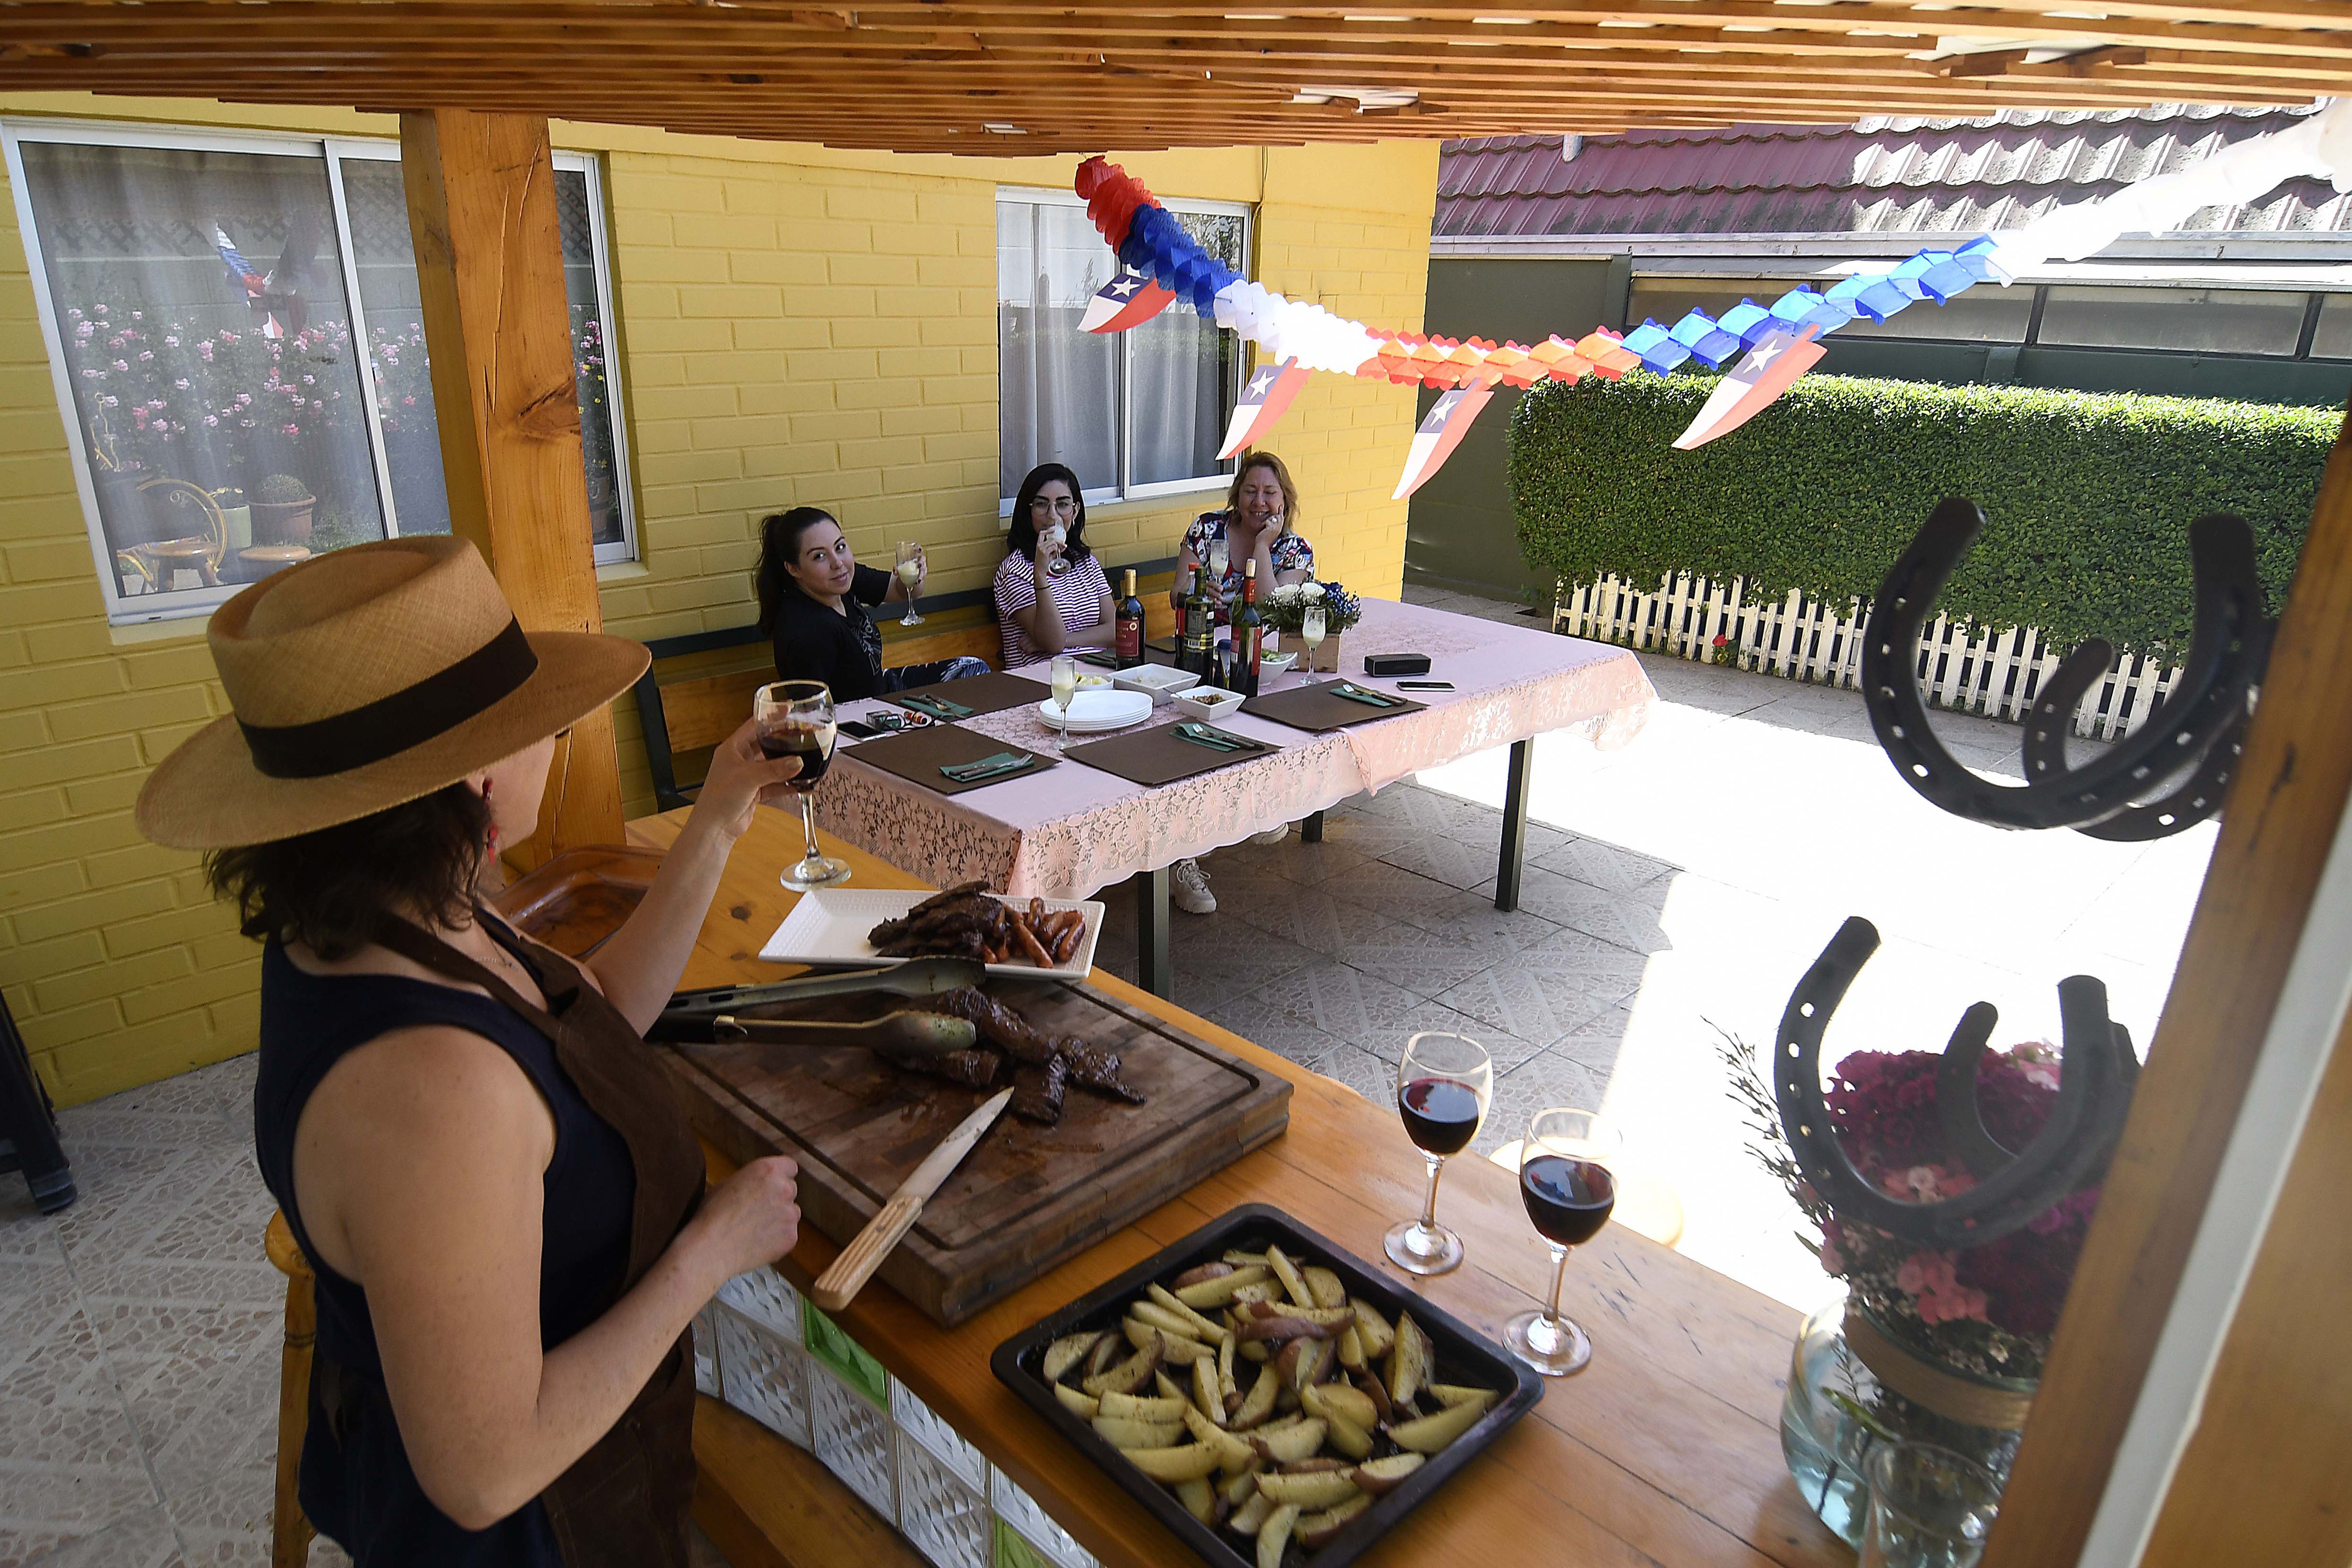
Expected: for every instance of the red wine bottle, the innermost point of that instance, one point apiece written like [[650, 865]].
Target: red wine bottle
[[1249, 633], [1130, 647]]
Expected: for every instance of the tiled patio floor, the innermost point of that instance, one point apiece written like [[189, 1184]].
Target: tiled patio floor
[[1682, 882]]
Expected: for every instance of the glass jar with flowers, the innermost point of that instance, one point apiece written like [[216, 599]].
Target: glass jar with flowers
[[1285, 611]]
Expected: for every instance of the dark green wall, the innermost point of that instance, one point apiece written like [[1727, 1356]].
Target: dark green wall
[[1460, 532]]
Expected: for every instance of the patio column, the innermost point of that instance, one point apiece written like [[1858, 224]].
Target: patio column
[[490, 263]]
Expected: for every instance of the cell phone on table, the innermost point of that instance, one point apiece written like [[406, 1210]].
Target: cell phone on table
[[1104, 659], [853, 728], [1424, 685]]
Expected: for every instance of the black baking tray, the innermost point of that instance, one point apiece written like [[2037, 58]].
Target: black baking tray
[[1463, 1355]]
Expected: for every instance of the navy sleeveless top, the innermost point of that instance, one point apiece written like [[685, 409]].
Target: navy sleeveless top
[[357, 1485]]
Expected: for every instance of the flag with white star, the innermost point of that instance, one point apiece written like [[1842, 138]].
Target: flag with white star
[[1449, 419], [1769, 369], [1266, 396], [1127, 301]]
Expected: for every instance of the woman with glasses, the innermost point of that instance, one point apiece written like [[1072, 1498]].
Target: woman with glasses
[[1047, 563]]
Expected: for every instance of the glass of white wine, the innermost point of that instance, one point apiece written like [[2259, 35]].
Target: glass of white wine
[[910, 572], [1310, 631], [1221, 559], [1066, 686]]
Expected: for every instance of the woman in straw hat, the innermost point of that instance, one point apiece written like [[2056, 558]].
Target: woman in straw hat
[[484, 1165]]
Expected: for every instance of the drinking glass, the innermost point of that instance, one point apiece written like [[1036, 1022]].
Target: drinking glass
[[794, 718], [1929, 1507], [911, 572], [1059, 534], [1443, 1084], [1310, 631], [1568, 1180], [1066, 685], [1221, 557]]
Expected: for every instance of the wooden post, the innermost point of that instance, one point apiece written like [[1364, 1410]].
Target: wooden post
[[490, 264]]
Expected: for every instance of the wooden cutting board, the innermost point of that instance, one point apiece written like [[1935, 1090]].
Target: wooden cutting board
[[1027, 1197]]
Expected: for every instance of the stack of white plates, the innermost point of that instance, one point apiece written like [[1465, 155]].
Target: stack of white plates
[[1094, 711]]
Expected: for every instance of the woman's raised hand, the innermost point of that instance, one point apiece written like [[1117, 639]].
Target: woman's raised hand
[[741, 777], [753, 1217]]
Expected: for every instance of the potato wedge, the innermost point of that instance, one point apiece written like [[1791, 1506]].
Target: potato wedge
[[1332, 1317], [1083, 1406], [1126, 1432], [1409, 1361], [1432, 1433], [1166, 1321], [1202, 1328], [1369, 1383], [1067, 1352], [1200, 1274], [1352, 1403], [1382, 1475], [1174, 1348], [1255, 1349], [1294, 1284], [1449, 1395], [1273, 1535], [1131, 1373], [1190, 1462], [1225, 1366], [1304, 1362], [1208, 1393], [1285, 1327], [1378, 1336], [1314, 1530], [1200, 1499], [1251, 1515], [1352, 1348], [1258, 1291], [1316, 1465], [1169, 1388], [1240, 1488], [1259, 1403], [1221, 1290], [1292, 1442], [1351, 1438], [1244, 1259], [1325, 1286], [1319, 1490], [1235, 1456], [1145, 1406]]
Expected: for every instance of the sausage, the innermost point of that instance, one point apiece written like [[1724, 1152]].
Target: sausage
[[1065, 945], [1037, 913], [1029, 945]]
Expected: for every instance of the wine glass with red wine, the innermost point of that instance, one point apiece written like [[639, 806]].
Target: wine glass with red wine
[[1567, 1179], [1443, 1086], [794, 718]]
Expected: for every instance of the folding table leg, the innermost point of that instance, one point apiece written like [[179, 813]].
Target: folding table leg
[[1310, 831], [1515, 824], [26, 1133], [1152, 970]]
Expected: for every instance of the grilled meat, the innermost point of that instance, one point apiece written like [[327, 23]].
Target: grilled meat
[[1093, 1067], [975, 1069], [1037, 1091]]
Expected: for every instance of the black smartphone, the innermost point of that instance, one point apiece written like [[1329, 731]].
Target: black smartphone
[[1106, 661], [1424, 685], [852, 727]]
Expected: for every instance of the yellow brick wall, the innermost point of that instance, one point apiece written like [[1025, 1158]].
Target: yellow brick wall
[[794, 325]]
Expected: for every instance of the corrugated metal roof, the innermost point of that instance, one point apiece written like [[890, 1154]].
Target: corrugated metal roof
[[1878, 175]]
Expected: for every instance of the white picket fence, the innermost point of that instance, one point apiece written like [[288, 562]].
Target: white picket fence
[[1995, 674]]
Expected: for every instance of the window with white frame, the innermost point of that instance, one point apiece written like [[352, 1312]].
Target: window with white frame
[[1135, 414], [236, 331]]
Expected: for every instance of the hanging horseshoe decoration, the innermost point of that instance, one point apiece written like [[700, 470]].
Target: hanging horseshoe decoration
[[2096, 1073], [2197, 726]]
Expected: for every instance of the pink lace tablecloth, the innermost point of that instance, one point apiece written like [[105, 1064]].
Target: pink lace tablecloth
[[1072, 830]]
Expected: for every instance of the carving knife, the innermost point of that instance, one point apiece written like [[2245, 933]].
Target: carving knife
[[839, 1285]]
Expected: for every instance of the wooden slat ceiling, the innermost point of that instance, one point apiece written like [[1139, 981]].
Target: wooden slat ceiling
[[1009, 76]]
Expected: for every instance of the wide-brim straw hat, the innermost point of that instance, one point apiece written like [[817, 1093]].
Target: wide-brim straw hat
[[365, 679]]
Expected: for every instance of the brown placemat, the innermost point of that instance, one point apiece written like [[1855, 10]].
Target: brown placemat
[[1315, 708], [990, 693], [919, 755], [1157, 756]]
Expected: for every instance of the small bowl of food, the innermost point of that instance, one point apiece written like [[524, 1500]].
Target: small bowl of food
[[1093, 683], [1211, 703], [1276, 663]]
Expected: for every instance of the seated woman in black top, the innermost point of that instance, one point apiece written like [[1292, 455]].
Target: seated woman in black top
[[806, 581]]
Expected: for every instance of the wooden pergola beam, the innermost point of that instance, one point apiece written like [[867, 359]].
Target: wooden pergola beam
[[490, 266]]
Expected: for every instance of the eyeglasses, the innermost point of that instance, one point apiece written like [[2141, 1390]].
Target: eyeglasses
[[1061, 507]]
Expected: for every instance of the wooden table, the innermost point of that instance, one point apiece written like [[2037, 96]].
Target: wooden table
[[1666, 1450]]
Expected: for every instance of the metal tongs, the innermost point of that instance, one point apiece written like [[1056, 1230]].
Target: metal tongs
[[691, 1015], [905, 1034]]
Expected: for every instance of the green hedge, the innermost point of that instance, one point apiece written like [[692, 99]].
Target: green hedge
[[2087, 496]]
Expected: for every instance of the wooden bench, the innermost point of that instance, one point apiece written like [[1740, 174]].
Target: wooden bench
[[697, 712]]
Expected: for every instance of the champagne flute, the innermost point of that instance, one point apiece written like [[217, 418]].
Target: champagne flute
[[910, 572], [1568, 1180], [1443, 1085], [1220, 558], [794, 718], [1310, 630], [1066, 686]]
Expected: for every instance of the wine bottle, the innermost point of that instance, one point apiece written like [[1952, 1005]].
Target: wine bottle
[[1198, 653], [1130, 624], [1249, 633]]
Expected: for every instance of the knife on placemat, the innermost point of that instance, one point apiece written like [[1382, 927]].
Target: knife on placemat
[[839, 1285]]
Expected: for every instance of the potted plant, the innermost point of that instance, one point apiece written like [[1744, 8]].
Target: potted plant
[[1286, 608], [281, 511]]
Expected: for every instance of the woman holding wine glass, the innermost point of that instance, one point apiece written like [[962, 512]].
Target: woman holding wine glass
[[1052, 596], [811, 590]]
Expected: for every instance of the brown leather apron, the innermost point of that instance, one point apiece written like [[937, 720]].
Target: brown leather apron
[[623, 1503]]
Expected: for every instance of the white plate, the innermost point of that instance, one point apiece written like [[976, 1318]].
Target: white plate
[[1092, 710], [829, 926]]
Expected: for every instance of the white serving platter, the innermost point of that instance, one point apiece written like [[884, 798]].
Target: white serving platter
[[1157, 680], [829, 926], [1095, 710]]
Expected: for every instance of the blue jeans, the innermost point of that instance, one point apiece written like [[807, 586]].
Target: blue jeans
[[908, 677]]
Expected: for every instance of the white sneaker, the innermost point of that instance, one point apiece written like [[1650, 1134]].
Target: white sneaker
[[1272, 835], [1189, 888]]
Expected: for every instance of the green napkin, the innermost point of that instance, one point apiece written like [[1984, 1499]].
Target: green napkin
[[1003, 763]]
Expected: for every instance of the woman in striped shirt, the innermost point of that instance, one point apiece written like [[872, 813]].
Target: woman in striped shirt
[[1047, 563]]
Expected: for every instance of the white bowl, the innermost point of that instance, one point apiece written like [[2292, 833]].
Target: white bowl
[[1160, 682], [1209, 702], [1093, 683], [1276, 663]]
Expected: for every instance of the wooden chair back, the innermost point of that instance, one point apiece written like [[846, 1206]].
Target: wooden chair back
[[291, 1531]]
